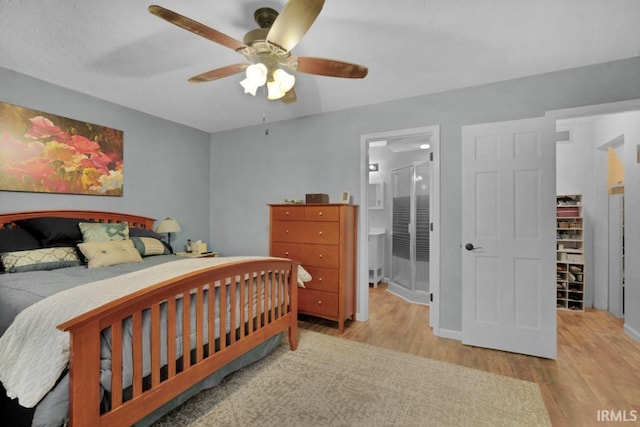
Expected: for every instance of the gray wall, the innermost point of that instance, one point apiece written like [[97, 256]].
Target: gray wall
[[166, 165], [322, 154]]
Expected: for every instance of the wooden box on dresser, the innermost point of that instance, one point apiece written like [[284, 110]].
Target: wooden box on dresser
[[322, 237]]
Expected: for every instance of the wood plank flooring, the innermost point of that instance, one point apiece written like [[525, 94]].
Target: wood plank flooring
[[597, 368]]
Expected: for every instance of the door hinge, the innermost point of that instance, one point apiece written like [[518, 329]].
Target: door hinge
[[431, 297], [430, 226], [431, 156]]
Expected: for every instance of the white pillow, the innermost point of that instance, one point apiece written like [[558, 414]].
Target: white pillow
[[303, 276], [102, 254]]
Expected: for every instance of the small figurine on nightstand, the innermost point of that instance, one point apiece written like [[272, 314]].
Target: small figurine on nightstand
[[189, 247]]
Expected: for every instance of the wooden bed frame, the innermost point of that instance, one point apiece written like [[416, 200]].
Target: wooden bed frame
[[279, 314]]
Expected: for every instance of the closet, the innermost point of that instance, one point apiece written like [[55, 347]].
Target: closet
[[570, 259]]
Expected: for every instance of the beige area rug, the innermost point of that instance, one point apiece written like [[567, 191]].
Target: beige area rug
[[331, 381]]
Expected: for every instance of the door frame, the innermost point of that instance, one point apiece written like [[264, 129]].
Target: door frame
[[362, 307]]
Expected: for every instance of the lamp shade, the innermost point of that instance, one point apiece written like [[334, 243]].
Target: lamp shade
[[168, 225], [281, 84], [284, 79], [274, 91], [256, 77]]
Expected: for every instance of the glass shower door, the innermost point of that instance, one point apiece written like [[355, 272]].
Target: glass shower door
[[422, 193], [410, 229], [401, 250]]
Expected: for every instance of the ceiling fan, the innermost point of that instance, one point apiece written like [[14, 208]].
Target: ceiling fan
[[268, 49]]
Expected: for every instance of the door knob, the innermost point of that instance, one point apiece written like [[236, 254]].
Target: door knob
[[470, 247]]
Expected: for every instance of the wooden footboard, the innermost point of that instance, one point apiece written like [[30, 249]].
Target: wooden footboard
[[272, 284]]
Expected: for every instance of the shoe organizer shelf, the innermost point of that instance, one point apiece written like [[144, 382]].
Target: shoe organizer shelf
[[570, 252]]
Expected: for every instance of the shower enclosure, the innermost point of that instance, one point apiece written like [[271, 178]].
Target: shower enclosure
[[410, 187]]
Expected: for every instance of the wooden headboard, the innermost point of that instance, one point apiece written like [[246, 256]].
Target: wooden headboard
[[136, 221]]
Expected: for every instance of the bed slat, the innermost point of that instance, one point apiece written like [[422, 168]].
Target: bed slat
[[137, 353], [186, 327], [171, 337], [116, 364], [155, 345], [212, 319]]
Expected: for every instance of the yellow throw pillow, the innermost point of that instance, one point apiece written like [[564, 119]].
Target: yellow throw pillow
[[102, 254]]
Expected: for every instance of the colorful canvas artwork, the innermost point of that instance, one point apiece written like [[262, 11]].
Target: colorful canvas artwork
[[46, 153]]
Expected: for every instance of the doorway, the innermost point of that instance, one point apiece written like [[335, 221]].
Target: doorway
[[590, 161], [377, 195], [476, 303]]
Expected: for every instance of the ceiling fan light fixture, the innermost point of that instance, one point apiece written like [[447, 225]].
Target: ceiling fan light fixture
[[274, 90], [256, 77], [249, 86], [281, 84], [267, 47], [285, 80]]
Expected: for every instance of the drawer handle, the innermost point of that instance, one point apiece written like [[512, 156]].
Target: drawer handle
[[319, 302], [286, 253], [320, 256], [319, 279], [286, 231], [286, 213], [320, 213], [321, 233]]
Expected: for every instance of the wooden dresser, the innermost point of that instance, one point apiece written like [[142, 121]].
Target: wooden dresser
[[323, 238]]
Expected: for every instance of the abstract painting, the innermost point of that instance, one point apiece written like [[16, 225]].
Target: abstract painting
[[46, 153]]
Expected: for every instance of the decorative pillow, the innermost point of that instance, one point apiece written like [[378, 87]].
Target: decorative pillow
[[102, 254], [17, 239], [303, 276], [40, 259], [144, 232], [51, 231], [104, 232], [148, 246]]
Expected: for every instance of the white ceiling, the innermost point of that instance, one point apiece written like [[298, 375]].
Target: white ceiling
[[117, 51]]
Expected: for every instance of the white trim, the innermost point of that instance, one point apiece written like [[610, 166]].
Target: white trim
[[632, 333], [451, 334], [362, 287], [594, 110]]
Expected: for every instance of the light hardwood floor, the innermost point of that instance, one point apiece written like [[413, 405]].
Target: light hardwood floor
[[597, 367]]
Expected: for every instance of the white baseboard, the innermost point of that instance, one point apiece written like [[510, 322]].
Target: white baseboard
[[448, 333], [632, 333]]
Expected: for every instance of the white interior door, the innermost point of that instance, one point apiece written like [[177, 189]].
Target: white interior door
[[508, 232]]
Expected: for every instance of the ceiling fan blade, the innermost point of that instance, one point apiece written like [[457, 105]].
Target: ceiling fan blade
[[219, 73], [290, 97], [293, 22], [326, 67], [200, 29]]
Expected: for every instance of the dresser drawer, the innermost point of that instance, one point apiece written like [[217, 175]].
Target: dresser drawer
[[327, 233], [318, 303], [322, 213], [327, 256], [287, 213], [323, 279]]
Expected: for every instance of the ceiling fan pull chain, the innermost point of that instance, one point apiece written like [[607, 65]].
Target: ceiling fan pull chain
[[264, 110]]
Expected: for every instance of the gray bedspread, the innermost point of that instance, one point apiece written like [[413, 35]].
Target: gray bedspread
[[20, 290]]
